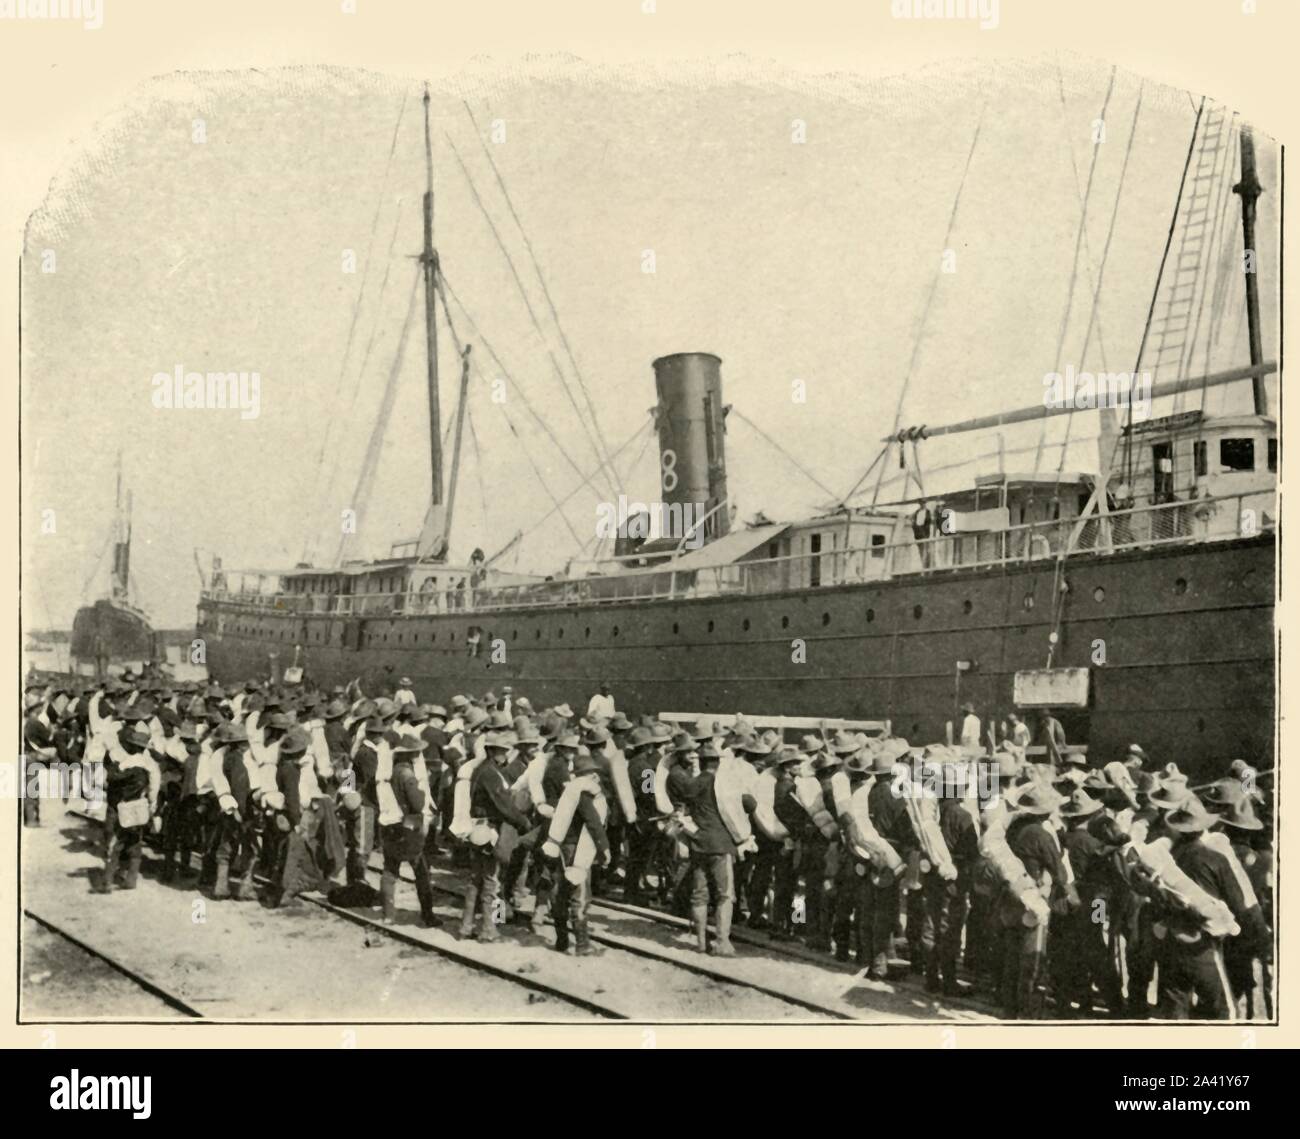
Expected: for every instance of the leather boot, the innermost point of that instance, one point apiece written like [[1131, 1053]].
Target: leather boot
[[700, 919], [582, 944], [388, 897], [208, 870], [561, 932], [467, 914], [168, 873], [221, 888], [723, 947], [245, 890], [488, 910], [356, 869], [132, 876], [424, 891]]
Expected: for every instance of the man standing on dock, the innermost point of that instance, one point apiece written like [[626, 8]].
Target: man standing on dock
[[601, 705]]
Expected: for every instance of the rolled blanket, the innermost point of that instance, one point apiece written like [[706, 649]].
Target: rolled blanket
[[1157, 857], [461, 823], [808, 794], [1220, 842], [865, 841], [769, 826], [584, 856], [1009, 868], [730, 785], [622, 783]]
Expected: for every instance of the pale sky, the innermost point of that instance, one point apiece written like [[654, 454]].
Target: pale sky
[[790, 260]]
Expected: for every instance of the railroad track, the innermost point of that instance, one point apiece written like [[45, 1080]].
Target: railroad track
[[479, 957], [150, 987]]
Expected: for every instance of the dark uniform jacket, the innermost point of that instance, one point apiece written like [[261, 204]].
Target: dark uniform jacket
[[124, 783], [641, 773], [587, 816], [959, 836], [888, 815], [365, 765], [489, 798], [1211, 870], [701, 802]]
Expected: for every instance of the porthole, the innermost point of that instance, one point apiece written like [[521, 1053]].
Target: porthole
[[966, 606], [1200, 724], [560, 633], [614, 631], [674, 626], [1029, 602], [1180, 586], [744, 625], [586, 632], [826, 618], [710, 626], [514, 634], [871, 616], [917, 611], [1099, 595], [785, 622], [537, 633]]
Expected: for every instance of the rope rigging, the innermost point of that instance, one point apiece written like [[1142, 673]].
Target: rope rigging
[[528, 305], [327, 435], [934, 288], [541, 280]]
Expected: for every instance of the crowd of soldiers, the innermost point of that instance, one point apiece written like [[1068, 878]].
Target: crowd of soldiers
[[1050, 884]]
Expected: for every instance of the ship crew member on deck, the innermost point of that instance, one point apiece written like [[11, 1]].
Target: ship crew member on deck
[[1020, 735], [922, 527], [970, 728], [601, 705], [404, 695]]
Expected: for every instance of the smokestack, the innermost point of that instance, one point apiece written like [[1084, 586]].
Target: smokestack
[[692, 437]]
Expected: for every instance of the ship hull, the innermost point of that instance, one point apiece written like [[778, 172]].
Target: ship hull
[[1179, 643], [109, 633]]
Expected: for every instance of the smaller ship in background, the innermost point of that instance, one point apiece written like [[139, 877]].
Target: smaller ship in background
[[114, 630]]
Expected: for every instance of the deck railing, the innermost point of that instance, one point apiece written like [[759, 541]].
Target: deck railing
[[1147, 527]]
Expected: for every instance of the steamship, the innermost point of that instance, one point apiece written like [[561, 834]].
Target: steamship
[[114, 630], [1135, 601]]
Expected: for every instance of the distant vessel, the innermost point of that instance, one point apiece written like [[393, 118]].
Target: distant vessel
[[114, 630], [1136, 601]]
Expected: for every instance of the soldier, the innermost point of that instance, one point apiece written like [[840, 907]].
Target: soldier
[[642, 761], [403, 841], [798, 826], [1079, 950], [1192, 968], [234, 773], [1025, 947], [947, 902], [496, 824], [573, 895], [132, 796], [713, 852]]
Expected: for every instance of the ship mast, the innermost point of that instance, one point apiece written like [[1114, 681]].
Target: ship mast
[[1250, 189], [455, 453], [429, 259]]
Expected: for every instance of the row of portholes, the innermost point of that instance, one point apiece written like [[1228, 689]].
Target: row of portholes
[[1099, 595]]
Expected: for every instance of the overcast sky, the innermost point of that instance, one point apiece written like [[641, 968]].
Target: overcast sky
[[791, 260]]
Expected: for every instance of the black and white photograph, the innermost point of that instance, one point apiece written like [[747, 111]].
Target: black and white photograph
[[562, 540]]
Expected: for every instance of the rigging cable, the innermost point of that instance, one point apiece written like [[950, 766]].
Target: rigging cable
[[352, 325], [789, 457], [365, 478], [1096, 296], [541, 280], [934, 288], [480, 338], [1074, 265], [1127, 434], [370, 343], [532, 314]]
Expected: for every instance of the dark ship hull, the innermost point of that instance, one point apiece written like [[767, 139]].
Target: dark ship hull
[[110, 632], [1185, 634]]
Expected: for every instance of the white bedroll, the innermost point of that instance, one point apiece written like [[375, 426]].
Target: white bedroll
[[798, 723]]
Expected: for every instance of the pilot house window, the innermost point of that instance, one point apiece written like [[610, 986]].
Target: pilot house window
[[1237, 454], [1199, 461], [1272, 455]]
